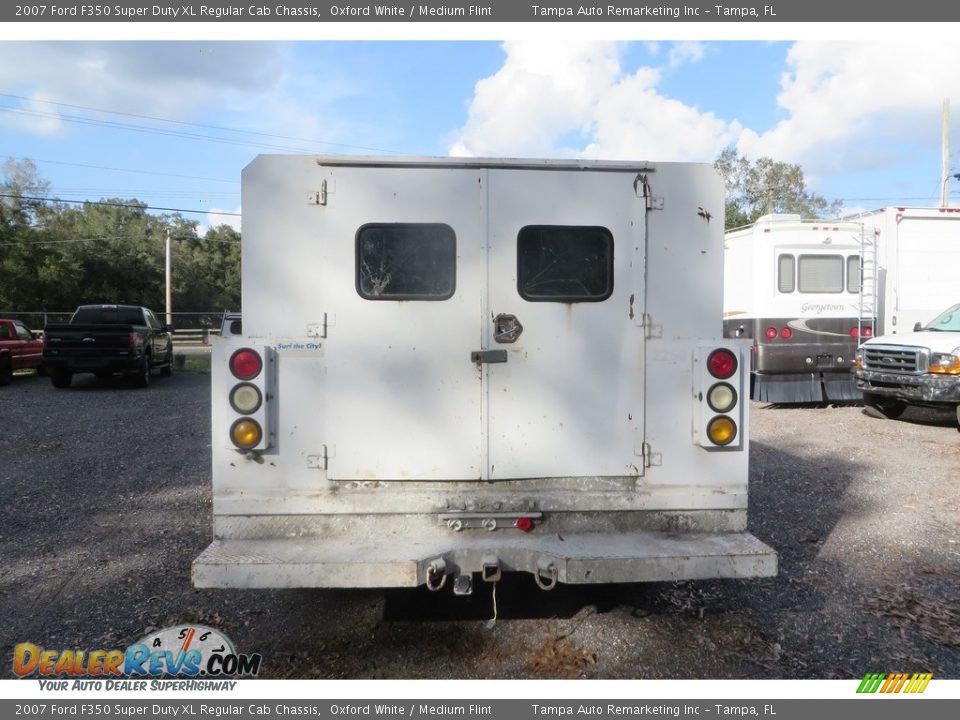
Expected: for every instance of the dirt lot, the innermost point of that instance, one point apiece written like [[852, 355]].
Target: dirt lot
[[106, 500]]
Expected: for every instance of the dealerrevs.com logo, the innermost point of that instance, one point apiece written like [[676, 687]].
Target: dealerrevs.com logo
[[894, 683], [181, 651]]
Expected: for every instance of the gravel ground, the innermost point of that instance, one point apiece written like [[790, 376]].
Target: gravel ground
[[107, 500]]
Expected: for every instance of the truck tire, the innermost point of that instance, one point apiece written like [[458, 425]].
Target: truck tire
[[61, 378], [881, 407], [142, 378], [6, 371], [166, 370]]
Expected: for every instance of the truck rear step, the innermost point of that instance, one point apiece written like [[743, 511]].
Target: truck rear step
[[574, 559]]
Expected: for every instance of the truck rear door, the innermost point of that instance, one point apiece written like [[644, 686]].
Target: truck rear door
[[402, 398], [566, 270], [491, 329]]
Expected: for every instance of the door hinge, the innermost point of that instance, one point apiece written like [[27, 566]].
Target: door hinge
[[319, 462], [642, 187], [649, 329], [318, 197], [650, 458], [319, 329]]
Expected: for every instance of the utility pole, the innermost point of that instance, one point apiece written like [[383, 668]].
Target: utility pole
[[945, 155], [169, 318]]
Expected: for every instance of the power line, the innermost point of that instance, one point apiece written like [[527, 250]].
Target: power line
[[106, 237], [222, 128], [132, 206], [127, 170]]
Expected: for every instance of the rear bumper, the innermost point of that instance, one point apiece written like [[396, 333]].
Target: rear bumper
[[791, 357], [927, 388], [585, 558], [128, 363]]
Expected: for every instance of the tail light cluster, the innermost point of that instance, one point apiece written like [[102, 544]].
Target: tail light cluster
[[719, 398], [856, 332], [248, 399], [771, 333]]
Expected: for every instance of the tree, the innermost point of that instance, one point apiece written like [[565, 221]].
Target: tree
[[22, 218], [767, 186]]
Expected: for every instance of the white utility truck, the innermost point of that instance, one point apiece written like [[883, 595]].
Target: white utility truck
[[793, 287], [913, 368], [455, 368]]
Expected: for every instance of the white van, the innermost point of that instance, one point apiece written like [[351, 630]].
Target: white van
[[456, 368]]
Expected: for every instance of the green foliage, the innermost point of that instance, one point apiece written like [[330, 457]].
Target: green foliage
[[767, 186], [55, 256]]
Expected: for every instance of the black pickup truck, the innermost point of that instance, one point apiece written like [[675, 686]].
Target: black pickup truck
[[108, 339]]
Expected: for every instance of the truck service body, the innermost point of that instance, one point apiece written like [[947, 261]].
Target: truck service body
[[917, 253], [460, 367], [794, 288]]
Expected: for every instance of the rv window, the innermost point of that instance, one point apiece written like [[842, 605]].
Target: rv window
[[820, 274], [786, 280], [406, 261], [558, 263], [853, 274]]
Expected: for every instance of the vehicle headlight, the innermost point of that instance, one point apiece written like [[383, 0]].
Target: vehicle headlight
[[945, 364]]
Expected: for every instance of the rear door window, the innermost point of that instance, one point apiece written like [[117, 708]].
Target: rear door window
[[406, 261], [564, 263]]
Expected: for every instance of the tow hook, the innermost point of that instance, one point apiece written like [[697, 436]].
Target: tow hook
[[491, 569], [546, 574], [436, 574]]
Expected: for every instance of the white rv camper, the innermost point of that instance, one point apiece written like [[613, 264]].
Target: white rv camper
[[917, 256], [793, 288], [457, 368]]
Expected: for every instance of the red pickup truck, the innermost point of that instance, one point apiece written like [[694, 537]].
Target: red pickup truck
[[18, 349]]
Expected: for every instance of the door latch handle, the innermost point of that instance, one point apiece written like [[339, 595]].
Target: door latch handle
[[506, 328], [488, 356]]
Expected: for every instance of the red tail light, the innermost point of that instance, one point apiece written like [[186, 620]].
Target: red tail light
[[868, 332], [133, 340], [854, 333], [770, 333], [523, 524], [246, 364], [786, 333], [721, 364]]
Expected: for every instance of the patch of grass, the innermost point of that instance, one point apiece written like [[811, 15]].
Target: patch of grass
[[199, 364]]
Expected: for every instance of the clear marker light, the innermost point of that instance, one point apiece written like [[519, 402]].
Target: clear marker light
[[246, 398], [722, 397]]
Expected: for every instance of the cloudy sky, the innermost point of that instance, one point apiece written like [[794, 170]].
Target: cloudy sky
[[173, 123]]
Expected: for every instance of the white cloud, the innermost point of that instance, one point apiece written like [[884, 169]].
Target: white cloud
[[220, 216], [543, 91], [546, 93], [683, 53], [840, 98]]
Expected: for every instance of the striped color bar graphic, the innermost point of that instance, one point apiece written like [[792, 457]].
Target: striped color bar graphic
[[894, 683]]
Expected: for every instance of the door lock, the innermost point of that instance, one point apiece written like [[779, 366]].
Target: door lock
[[506, 328]]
